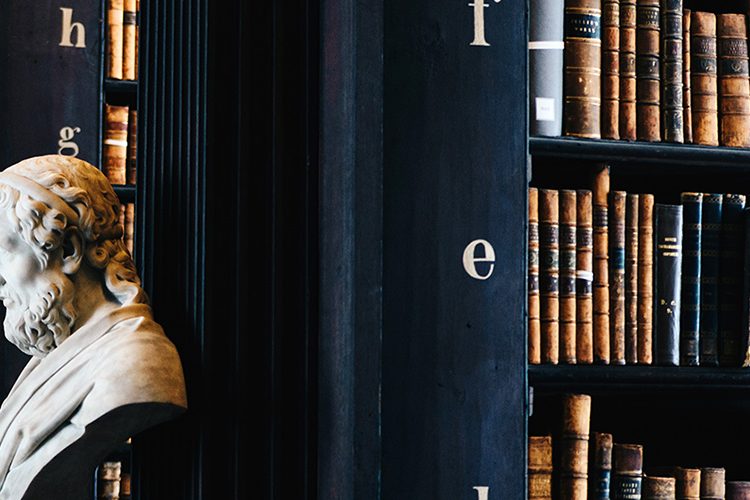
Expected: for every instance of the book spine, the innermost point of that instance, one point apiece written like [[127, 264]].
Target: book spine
[[128, 40], [549, 274], [627, 471], [645, 278], [601, 267], [703, 85], [648, 123], [710, 249], [137, 33], [671, 49], [631, 279], [584, 278], [687, 116], [568, 276], [658, 488], [115, 147], [668, 263], [688, 483], [574, 445], [600, 466], [738, 490], [734, 86], [730, 284], [125, 490], [611, 69], [115, 14], [132, 146], [627, 70], [691, 279], [535, 348], [713, 485], [582, 106], [130, 227], [540, 467], [617, 277], [546, 67]]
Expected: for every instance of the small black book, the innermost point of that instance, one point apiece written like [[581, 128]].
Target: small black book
[[667, 267]]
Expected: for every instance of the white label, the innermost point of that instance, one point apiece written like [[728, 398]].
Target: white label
[[470, 259], [483, 492], [545, 109]]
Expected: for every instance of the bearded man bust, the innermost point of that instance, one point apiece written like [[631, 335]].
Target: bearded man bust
[[101, 369]]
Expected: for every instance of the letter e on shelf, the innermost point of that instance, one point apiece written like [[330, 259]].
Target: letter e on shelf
[[486, 254]]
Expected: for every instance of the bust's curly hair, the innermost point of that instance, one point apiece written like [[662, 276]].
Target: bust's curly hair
[[86, 190]]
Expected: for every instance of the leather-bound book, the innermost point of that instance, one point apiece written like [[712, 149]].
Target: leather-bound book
[[128, 40], [710, 250], [713, 485], [687, 113], [627, 471], [667, 267], [115, 13], [645, 278], [546, 67], [658, 488], [574, 446], [600, 466], [583, 68], [610, 69], [540, 467], [627, 70], [647, 66], [730, 283], [535, 346], [631, 279], [549, 274], [568, 209], [125, 490], [738, 490], [734, 86], [584, 278], [601, 266], [129, 226], [688, 483], [672, 71], [703, 86], [692, 204], [132, 146], [617, 277], [115, 148]]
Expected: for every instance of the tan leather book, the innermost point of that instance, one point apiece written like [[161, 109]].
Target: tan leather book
[[115, 147], [611, 69], [738, 490], [734, 86], [671, 68], [535, 346], [631, 279], [703, 85], [713, 485], [540, 467], [115, 13], [688, 483], [574, 447], [645, 278], [584, 278], [687, 115], [600, 465], [617, 277], [582, 80], [549, 274], [647, 71], [627, 471], [128, 40], [601, 266], [132, 146], [129, 226], [567, 276], [658, 488], [627, 70]]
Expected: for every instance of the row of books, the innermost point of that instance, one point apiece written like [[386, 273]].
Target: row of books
[[594, 467], [127, 221], [112, 483], [645, 70], [122, 39], [615, 278], [120, 145]]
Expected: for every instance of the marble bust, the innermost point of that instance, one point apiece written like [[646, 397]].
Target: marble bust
[[101, 369]]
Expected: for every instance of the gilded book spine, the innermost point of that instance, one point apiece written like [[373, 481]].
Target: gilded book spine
[[601, 266], [546, 67], [734, 86], [730, 282], [584, 278], [567, 276], [549, 239], [645, 278], [115, 143], [128, 31], [710, 249], [703, 85], [132, 146], [713, 483], [601, 466], [627, 70], [535, 347], [627, 471], [647, 65], [687, 114], [658, 488], [617, 277], [688, 484], [115, 14], [631, 279], [668, 263], [671, 49], [574, 446], [540, 467], [610, 69], [691, 279]]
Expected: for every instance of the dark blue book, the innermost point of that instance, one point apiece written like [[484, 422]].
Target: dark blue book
[[710, 248], [692, 204], [667, 267], [730, 279]]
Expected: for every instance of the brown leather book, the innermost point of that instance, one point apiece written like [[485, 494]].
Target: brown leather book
[[617, 277], [549, 274], [540, 467], [671, 39], [129, 227], [601, 266], [115, 147], [627, 70], [610, 69], [687, 114], [734, 86], [627, 471], [574, 447], [631, 279], [115, 14], [600, 465], [648, 90], [129, 30], [645, 278], [568, 276], [713, 483], [584, 278], [738, 490], [582, 81], [132, 146], [658, 488], [688, 483], [703, 86], [535, 347]]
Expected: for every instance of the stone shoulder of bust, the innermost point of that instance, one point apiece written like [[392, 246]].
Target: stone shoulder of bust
[[101, 368]]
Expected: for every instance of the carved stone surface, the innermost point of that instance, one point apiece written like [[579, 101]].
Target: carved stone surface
[[101, 368]]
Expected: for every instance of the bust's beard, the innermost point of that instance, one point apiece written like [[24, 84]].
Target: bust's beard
[[38, 327]]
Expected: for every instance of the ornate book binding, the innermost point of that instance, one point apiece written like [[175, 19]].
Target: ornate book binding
[[617, 277], [667, 267], [627, 471], [631, 279], [713, 483], [627, 70], [687, 114], [645, 278], [568, 276], [730, 283], [535, 348], [601, 466], [584, 278], [574, 446], [611, 69], [549, 240], [688, 483], [691, 279], [648, 91], [703, 89], [672, 126], [115, 150], [658, 488], [601, 266], [540, 467], [546, 67], [710, 249], [734, 86]]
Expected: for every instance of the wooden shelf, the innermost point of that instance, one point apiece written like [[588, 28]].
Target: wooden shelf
[[126, 193], [120, 86]]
